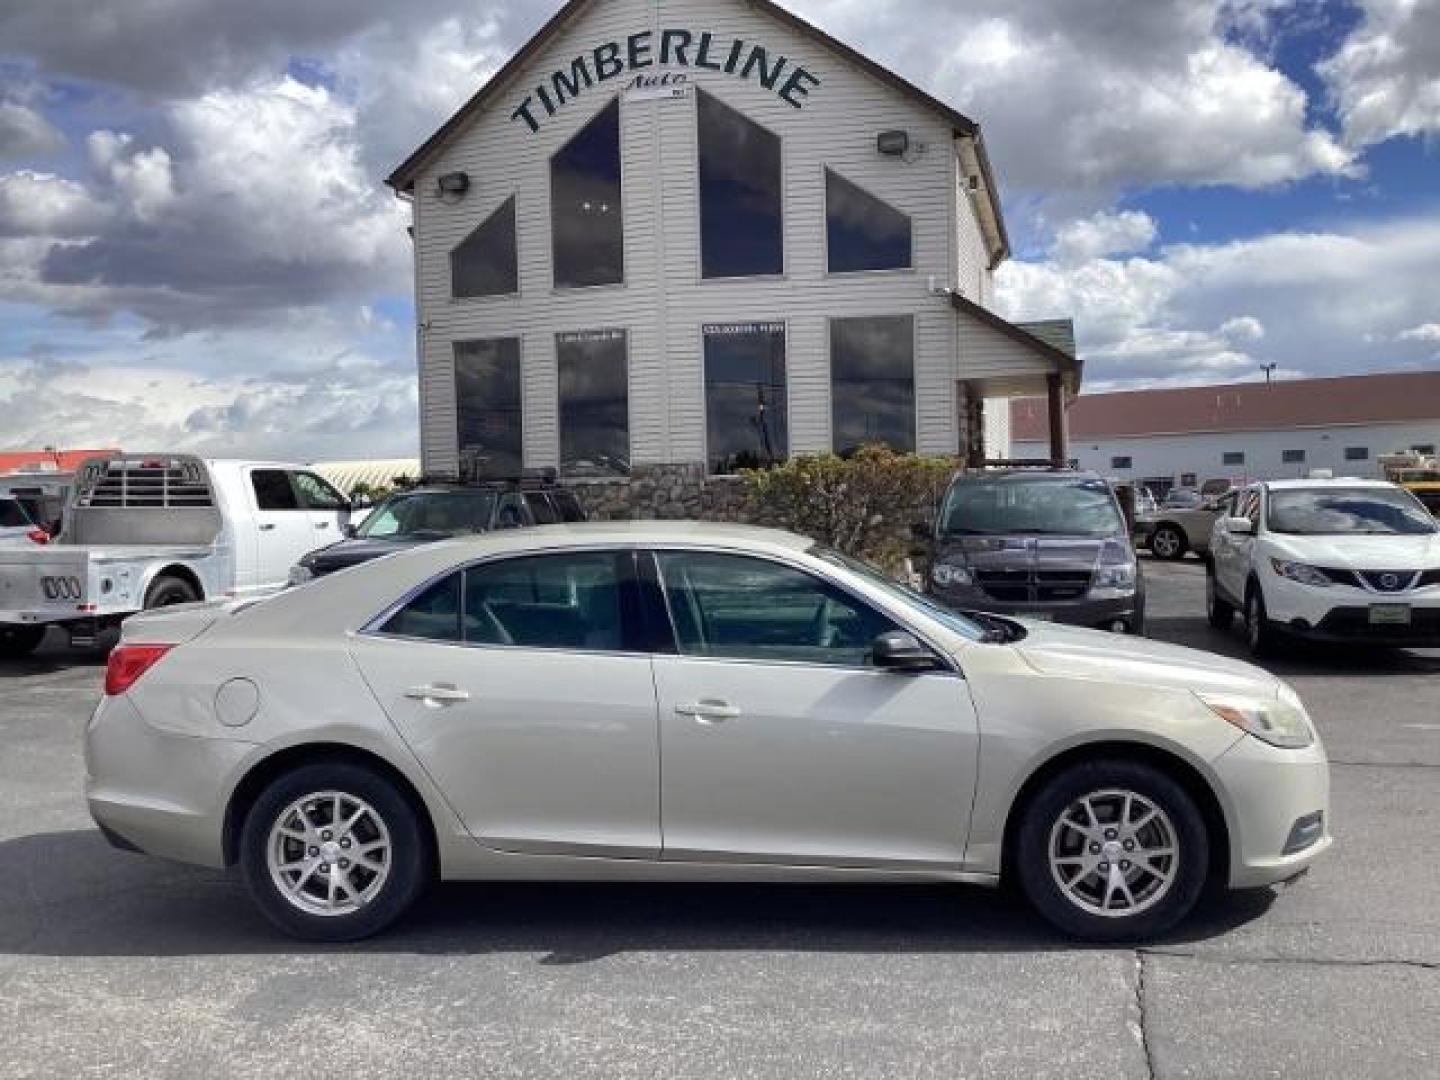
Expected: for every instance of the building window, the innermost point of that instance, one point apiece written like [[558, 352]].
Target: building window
[[1189, 479], [741, 215], [485, 263], [1357, 453], [586, 217], [863, 233], [1234, 457], [594, 403], [1293, 457], [487, 407], [746, 417], [872, 373], [1122, 463]]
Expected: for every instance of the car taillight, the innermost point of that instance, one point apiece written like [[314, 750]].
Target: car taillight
[[38, 536], [128, 663]]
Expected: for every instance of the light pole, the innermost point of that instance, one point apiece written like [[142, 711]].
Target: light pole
[[1269, 370]]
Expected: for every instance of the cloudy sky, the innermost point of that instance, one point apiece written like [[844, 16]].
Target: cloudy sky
[[196, 249]]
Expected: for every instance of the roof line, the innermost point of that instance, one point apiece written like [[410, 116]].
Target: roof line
[[402, 179], [1069, 365]]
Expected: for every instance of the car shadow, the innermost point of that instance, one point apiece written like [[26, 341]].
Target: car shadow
[[69, 894], [1297, 658], [57, 655]]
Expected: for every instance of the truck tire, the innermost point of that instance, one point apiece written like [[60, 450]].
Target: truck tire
[[17, 642], [167, 591]]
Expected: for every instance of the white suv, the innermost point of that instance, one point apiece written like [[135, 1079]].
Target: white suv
[[16, 528], [1331, 560]]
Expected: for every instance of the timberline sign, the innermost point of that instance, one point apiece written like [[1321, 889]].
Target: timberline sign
[[670, 50]]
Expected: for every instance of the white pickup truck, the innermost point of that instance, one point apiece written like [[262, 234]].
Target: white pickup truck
[[149, 531]]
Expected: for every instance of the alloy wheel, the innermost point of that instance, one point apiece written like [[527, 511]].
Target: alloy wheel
[[1166, 543], [329, 853], [1114, 853]]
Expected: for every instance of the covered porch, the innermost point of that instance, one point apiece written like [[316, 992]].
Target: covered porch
[[1001, 360]]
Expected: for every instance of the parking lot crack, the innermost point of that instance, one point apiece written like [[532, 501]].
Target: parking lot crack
[[1298, 961], [1385, 764], [1142, 1027]]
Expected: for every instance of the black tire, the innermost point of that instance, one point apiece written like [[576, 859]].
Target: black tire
[[18, 642], [167, 591], [1103, 779], [408, 863], [1169, 542], [1260, 633], [1219, 612]]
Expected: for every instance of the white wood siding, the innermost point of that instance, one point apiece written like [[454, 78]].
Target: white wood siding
[[664, 302]]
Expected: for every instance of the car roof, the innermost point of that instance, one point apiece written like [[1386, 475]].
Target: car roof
[[620, 533], [1336, 482]]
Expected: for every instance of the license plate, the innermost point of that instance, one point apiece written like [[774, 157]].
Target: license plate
[[1390, 615]]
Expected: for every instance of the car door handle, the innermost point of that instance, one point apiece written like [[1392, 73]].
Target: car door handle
[[323, 525], [267, 528], [709, 712], [440, 694]]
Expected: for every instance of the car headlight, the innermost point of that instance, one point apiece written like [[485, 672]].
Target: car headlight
[[1281, 723], [1116, 573], [951, 573], [1300, 573], [300, 574], [1119, 578]]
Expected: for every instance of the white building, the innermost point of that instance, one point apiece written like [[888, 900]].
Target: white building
[[702, 233], [1244, 432]]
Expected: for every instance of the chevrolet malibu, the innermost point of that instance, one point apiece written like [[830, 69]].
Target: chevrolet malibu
[[688, 702]]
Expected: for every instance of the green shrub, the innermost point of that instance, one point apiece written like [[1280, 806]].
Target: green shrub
[[862, 505]]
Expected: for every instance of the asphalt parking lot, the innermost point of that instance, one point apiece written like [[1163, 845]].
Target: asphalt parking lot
[[118, 965]]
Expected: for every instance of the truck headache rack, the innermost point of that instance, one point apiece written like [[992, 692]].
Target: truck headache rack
[[138, 483]]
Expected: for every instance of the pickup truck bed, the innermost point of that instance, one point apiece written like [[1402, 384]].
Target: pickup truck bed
[[63, 583]]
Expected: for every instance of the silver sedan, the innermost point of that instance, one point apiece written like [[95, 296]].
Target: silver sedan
[[688, 703]]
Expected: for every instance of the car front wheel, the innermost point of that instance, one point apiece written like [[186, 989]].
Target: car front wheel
[[1218, 611], [1113, 850], [334, 853], [1260, 633]]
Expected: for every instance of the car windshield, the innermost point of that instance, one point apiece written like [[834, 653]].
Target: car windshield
[[950, 620], [429, 515], [1182, 500], [1348, 512], [12, 515], [1024, 507]]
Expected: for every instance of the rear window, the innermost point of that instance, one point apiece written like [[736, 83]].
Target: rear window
[[1024, 507], [12, 515]]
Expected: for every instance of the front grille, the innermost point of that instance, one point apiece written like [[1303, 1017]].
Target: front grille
[[1389, 581], [1034, 586]]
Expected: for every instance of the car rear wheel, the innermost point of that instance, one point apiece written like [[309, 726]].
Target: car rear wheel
[[170, 591], [1220, 612], [17, 642], [1113, 850], [1169, 543], [334, 853]]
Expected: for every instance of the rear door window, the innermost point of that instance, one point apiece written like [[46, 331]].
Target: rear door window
[[575, 600], [274, 491], [318, 494]]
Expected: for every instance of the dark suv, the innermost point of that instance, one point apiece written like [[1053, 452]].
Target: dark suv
[[1042, 544], [434, 512]]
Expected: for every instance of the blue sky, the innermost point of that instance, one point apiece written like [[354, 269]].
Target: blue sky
[[196, 249]]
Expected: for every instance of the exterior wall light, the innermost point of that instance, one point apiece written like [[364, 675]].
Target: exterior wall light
[[893, 143], [455, 183]]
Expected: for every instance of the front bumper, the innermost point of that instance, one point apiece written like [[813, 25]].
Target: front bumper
[[157, 792], [1273, 797], [1342, 614]]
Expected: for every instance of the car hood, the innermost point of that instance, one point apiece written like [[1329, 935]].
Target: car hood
[[1361, 552], [354, 552], [1077, 653]]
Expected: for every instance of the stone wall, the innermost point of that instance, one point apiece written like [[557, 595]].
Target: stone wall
[[665, 493]]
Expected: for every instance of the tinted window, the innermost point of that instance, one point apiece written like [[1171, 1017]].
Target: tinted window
[[568, 506], [1357, 453], [433, 615], [273, 490], [733, 607], [594, 403], [12, 515], [1121, 463], [585, 205], [541, 508], [1348, 512], [872, 369], [1234, 458], [512, 513], [1293, 457], [487, 404], [571, 601], [1002, 507], [485, 263], [317, 494], [746, 417], [862, 232], [430, 515], [741, 226]]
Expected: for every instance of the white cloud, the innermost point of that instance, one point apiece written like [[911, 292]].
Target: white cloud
[[1429, 333], [1385, 78], [25, 133], [1315, 302], [1104, 233], [39, 204]]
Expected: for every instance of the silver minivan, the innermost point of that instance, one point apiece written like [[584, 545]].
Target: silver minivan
[[1042, 544]]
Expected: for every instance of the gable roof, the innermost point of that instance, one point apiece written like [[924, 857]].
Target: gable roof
[[1242, 407], [403, 178], [1046, 339]]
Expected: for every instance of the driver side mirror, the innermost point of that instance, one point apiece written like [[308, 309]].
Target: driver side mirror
[[900, 652], [1239, 526]]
